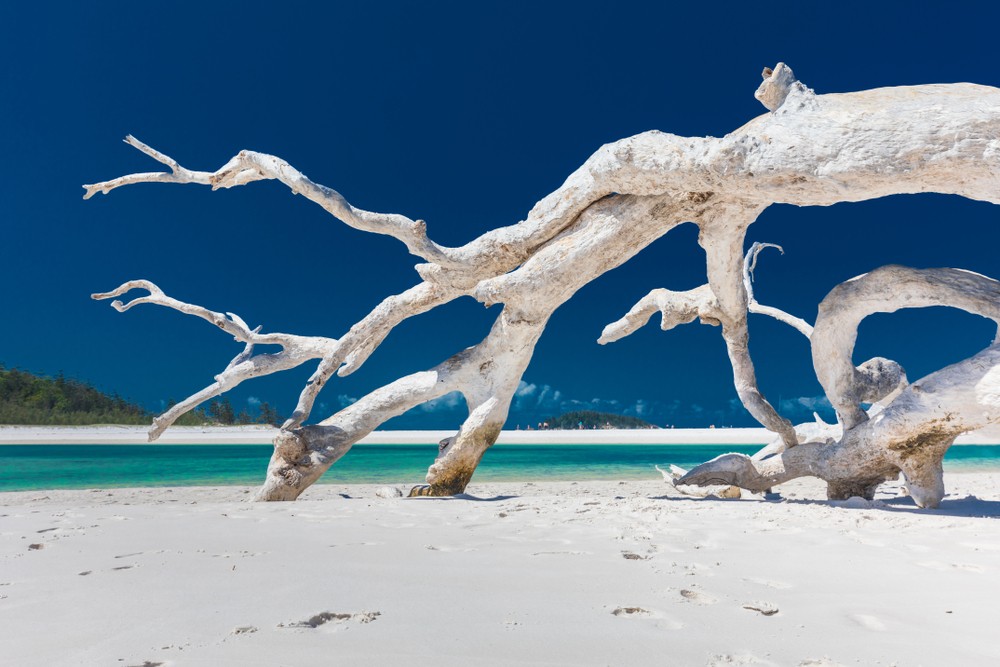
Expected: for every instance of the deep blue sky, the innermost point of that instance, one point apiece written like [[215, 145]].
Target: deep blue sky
[[463, 114]]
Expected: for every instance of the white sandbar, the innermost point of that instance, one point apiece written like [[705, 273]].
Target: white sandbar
[[248, 435]]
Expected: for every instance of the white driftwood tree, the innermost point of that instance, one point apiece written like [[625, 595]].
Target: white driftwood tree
[[808, 150]]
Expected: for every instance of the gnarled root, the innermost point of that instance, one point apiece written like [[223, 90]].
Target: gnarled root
[[300, 457], [846, 473]]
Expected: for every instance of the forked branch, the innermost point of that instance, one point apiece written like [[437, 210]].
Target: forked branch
[[249, 166], [296, 350]]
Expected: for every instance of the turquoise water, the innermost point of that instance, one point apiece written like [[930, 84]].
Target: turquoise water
[[35, 467]]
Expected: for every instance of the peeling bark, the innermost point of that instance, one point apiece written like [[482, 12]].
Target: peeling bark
[[807, 150]]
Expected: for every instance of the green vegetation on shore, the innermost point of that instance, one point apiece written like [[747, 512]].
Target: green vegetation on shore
[[29, 399], [589, 419]]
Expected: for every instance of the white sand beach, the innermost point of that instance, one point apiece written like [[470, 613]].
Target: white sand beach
[[596, 573]]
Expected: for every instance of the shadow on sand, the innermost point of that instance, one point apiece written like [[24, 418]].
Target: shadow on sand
[[969, 506], [466, 496]]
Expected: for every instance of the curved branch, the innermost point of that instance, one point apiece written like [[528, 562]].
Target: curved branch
[[878, 378], [723, 301], [749, 264], [722, 238], [675, 308], [881, 378], [249, 166], [493, 253], [885, 290], [232, 325], [354, 347], [233, 375]]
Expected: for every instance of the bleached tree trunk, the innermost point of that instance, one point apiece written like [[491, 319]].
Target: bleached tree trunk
[[487, 374], [807, 150]]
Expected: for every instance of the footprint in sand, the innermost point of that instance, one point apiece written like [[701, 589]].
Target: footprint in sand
[[869, 622], [698, 597], [761, 607], [336, 618], [659, 618], [630, 611]]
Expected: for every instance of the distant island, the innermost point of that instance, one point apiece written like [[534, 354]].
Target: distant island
[[30, 399], [590, 419]]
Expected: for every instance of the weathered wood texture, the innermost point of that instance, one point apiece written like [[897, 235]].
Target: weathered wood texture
[[808, 150]]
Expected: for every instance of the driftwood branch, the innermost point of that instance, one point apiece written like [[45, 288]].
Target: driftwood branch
[[885, 290], [675, 308], [914, 429], [248, 166], [807, 150], [749, 264], [296, 350]]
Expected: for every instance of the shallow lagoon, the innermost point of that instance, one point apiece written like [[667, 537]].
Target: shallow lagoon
[[35, 467]]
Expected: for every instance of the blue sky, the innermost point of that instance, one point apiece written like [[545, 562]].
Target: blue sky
[[464, 115]]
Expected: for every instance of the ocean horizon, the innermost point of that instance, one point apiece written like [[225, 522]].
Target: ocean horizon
[[37, 468]]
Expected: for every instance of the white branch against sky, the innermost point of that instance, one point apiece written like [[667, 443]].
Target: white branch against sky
[[807, 150]]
